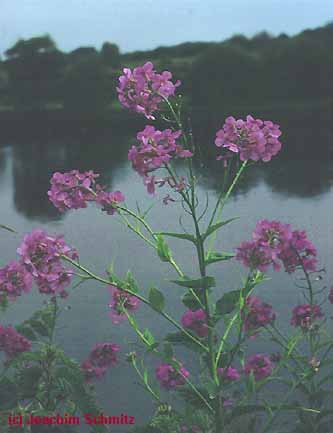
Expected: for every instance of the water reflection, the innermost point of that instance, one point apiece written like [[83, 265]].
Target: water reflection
[[292, 173], [34, 163]]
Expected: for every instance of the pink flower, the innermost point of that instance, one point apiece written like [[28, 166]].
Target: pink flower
[[274, 243], [256, 314], [169, 377], [253, 256], [299, 252], [104, 354], [260, 365], [142, 90], [229, 375], [252, 138], [121, 301], [156, 149], [101, 357], [14, 280], [12, 343], [41, 255], [109, 200], [72, 190], [304, 315], [91, 372], [196, 321]]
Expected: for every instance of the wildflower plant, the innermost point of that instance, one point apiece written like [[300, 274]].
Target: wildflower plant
[[233, 388]]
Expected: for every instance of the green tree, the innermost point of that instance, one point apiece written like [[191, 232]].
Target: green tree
[[34, 66]]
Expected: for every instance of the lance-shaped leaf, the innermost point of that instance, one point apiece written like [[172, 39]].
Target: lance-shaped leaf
[[156, 299], [200, 283], [182, 339], [9, 229], [193, 300], [183, 236], [163, 249], [227, 303], [214, 257], [216, 226], [168, 351]]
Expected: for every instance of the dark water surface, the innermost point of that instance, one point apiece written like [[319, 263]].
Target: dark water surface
[[295, 190]]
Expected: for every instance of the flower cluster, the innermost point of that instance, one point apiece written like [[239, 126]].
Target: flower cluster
[[143, 89], [196, 321], [274, 243], [120, 302], [169, 377], [260, 365], [73, 190], [156, 149], [256, 314], [12, 343], [253, 139], [304, 315], [14, 280], [102, 356], [229, 374], [41, 255], [109, 201]]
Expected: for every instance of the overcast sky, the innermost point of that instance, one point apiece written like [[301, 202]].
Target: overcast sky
[[145, 24]]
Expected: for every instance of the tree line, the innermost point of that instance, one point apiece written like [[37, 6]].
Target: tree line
[[240, 71]]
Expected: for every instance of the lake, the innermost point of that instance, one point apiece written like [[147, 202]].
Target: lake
[[297, 188]]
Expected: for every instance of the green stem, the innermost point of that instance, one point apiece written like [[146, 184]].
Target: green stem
[[140, 297]]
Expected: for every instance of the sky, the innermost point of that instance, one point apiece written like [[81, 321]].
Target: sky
[[146, 24]]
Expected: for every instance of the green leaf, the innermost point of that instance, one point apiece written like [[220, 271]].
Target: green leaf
[[149, 337], [217, 226], [190, 301], [214, 257], [8, 394], [28, 381], [163, 249], [39, 327], [168, 351], [132, 284], [4, 303], [156, 299], [9, 229], [26, 331], [227, 303], [200, 283], [192, 397], [184, 236], [183, 339]]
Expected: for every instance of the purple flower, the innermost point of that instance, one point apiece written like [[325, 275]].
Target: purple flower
[[104, 354], [252, 138], [14, 280], [41, 255], [72, 190], [260, 365], [121, 301], [304, 315], [109, 200], [101, 357], [229, 375], [142, 90], [196, 321], [252, 256], [299, 252], [275, 243], [156, 149], [256, 314], [90, 372], [12, 343], [169, 377]]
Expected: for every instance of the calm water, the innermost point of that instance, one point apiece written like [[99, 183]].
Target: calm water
[[294, 190]]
